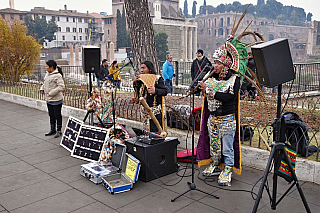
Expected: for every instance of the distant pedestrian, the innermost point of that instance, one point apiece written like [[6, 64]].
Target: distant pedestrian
[[167, 73], [115, 74], [52, 89], [199, 64], [103, 72]]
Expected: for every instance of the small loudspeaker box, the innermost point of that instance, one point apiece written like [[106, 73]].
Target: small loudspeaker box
[[273, 62], [157, 160], [90, 59]]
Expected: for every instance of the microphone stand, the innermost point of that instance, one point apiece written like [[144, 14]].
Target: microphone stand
[[192, 184], [113, 97]]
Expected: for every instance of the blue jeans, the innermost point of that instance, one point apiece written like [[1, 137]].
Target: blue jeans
[[98, 82], [168, 84], [227, 148], [117, 83]]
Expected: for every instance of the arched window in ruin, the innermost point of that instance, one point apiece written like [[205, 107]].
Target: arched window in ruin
[[271, 37], [209, 32], [209, 25], [215, 32], [204, 23], [318, 40], [215, 22], [221, 22], [220, 31], [228, 21]]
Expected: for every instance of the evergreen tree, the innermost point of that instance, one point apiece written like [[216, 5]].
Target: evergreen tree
[[119, 30], [309, 16], [161, 40], [124, 29], [52, 28], [40, 29], [194, 9], [260, 2], [185, 9]]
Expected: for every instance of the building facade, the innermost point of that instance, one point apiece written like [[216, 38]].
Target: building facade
[[73, 27], [313, 46], [11, 15], [213, 30], [165, 15]]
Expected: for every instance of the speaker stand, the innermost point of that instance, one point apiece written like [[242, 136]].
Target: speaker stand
[[278, 148], [192, 185], [90, 112]]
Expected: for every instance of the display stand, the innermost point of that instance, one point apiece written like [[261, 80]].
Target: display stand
[[89, 143], [278, 149], [192, 185], [70, 133]]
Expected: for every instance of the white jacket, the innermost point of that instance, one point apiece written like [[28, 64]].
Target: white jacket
[[53, 86]]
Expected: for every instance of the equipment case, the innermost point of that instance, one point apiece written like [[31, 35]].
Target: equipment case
[[95, 170], [121, 182]]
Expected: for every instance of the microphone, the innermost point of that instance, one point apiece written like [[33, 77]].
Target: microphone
[[134, 68]]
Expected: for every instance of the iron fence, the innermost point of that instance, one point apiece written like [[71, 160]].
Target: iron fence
[[176, 118], [307, 76]]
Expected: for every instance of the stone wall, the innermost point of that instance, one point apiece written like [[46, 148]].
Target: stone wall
[[174, 39]]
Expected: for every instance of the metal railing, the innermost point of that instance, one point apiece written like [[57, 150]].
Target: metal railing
[[126, 109], [307, 76]]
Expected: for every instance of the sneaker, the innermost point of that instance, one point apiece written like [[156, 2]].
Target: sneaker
[[211, 170], [225, 176]]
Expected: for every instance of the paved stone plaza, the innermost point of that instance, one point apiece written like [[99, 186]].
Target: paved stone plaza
[[38, 175]]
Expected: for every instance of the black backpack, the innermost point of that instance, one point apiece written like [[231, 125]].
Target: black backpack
[[296, 133]]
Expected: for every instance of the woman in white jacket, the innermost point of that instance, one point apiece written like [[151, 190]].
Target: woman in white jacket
[[52, 89]]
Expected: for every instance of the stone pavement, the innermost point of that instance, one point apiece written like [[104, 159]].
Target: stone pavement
[[38, 175]]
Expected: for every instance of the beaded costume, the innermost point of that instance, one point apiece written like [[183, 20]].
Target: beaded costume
[[220, 116]]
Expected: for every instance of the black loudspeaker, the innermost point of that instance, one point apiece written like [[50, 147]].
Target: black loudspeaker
[[90, 59], [273, 62], [156, 160]]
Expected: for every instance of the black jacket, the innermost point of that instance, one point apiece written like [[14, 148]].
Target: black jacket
[[202, 63], [161, 90], [103, 72]]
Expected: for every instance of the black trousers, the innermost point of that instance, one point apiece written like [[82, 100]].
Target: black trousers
[[55, 116]]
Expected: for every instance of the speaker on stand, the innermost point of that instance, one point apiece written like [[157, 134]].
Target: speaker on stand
[[91, 64], [274, 67], [273, 62]]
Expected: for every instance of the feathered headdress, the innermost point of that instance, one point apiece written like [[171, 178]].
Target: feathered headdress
[[233, 53]]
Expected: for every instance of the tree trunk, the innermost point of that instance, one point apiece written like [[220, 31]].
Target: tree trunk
[[141, 33]]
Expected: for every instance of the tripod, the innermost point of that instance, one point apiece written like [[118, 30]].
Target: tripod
[[192, 184], [278, 149], [90, 112]]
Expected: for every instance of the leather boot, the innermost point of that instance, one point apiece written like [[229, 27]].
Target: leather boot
[[58, 133], [52, 131]]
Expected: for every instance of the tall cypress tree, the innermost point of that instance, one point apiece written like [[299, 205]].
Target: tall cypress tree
[[124, 28], [194, 9], [185, 8], [119, 30], [260, 2]]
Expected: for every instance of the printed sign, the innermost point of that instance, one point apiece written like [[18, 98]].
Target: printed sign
[[70, 134]]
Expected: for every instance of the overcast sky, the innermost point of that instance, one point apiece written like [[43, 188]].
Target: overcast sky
[[105, 5]]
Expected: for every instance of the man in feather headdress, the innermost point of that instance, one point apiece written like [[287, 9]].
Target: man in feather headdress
[[219, 144]]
